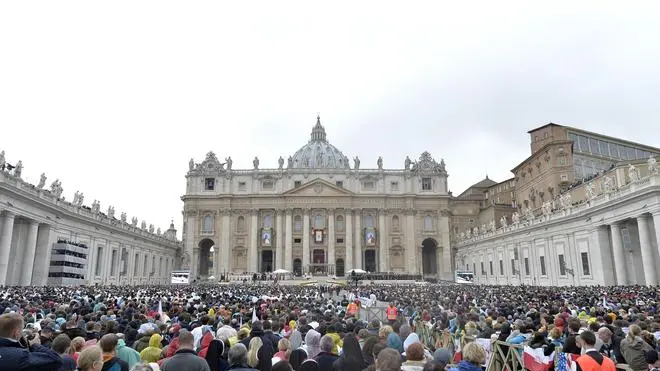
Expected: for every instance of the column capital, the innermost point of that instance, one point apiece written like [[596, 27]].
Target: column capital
[[225, 212], [288, 211], [254, 212], [8, 214]]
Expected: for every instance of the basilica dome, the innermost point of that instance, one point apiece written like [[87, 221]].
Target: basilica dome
[[318, 153]]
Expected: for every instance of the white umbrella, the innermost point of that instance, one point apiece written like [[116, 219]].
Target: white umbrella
[[281, 271], [357, 271]]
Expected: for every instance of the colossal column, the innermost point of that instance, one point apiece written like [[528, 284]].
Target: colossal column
[[331, 237], [656, 223], [225, 237], [28, 254], [5, 244], [359, 237], [647, 252], [254, 233], [411, 248], [45, 241], [305, 240], [383, 250], [288, 248], [348, 264], [279, 240]]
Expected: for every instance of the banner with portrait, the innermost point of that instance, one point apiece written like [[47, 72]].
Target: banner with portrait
[[370, 236], [318, 235], [266, 237]]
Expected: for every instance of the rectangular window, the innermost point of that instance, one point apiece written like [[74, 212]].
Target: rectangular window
[[394, 186], [513, 266], [297, 183], [473, 269], [135, 264], [340, 241], [490, 263], [483, 271], [585, 263], [113, 263], [268, 185], [368, 185], [526, 266], [561, 160], [426, 184], [296, 240], [584, 143], [604, 148], [562, 265], [542, 261], [501, 267], [99, 260], [209, 184], [339, 183], [563, 177], [593, 146], [242, 186]]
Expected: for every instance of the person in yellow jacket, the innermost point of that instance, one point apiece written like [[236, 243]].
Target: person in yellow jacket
[[336, 339], [153, 352]]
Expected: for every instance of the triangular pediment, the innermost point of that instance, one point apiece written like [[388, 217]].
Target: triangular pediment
[[318, 188]]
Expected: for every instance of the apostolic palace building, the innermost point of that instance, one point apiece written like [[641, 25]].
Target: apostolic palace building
[[318, 212]]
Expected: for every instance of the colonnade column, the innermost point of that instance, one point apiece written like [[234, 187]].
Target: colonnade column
[[656, 223], [359, 237], [254, 232], [348, 264], [305, 241], [288, 253], [226, 240], [28, 254], [5, 244], [45, 241], [331, 237], [647, 252], [279, 241], [383, 250]]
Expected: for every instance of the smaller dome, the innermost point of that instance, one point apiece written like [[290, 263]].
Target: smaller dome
[[318, 153]]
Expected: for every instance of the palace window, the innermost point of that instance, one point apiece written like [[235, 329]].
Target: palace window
[[339, 223], [209, 184], [562, 265], [135, 264], [296, 240], [297, 224], [319, 222], [144, 268], [240, 224], [267, 185], [153, 264], [339, 183], [268, 221], [99, 260], [394, 186], [428, 223], [368, 221], [483, 271], [242, 186], [513, 266], [501, 267], [395, 223], [297, 183], [113, 263], [542, 264], [526, 266], [426, 184], [368, 185], [585, 263], [207, 226], [490, 263], [340, 240], [561, 160]]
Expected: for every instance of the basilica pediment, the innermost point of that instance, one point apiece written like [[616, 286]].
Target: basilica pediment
[[318, 188]]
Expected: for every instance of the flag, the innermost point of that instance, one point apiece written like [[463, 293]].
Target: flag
[[254, 315], [534, 360], [566, 362]]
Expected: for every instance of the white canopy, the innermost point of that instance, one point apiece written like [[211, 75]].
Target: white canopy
[[357, 271], [281, 271]]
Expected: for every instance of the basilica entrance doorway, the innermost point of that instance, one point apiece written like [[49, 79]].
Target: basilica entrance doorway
[[297, 267], [429, 257], [206, 252], [370, 261], [267, 261], [339, 270]]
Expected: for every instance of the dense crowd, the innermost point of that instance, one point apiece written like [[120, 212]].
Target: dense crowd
[[282, 328]]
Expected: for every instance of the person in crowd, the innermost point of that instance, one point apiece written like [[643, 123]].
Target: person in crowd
[[126, 354], [238, 358], [474, 355], [351, 358], [653, 359], [62, 346], [611, 347], [592, 359], [215, 356], [153, 352], [111, 362], [326, 358], [634, 348], [253, 350], [297, 357], [284, 350], [282, 366], [77, 345], [388, 360], [91, 359], [415, 360], [185, 359], [27, 354]]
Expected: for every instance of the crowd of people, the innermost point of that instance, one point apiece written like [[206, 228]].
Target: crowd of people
[[283, 328]]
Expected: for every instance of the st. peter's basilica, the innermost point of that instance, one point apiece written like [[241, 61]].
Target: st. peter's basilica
[[319, 212]]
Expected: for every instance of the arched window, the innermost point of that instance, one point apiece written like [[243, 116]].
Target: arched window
[[395, 223], [368, 221], [428, 223], [319, 222], [207, 226], [297, 224], [240, 225], [268, 221], [339, 223]]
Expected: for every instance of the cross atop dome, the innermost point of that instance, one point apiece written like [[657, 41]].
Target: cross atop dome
[[318, 132]]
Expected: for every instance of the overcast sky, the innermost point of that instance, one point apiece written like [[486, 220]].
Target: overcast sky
[[114, 98]]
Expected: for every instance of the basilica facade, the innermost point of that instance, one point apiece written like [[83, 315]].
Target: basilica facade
[[318, 212]]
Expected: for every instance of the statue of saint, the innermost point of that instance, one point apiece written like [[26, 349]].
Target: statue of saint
[[143, 225], [407, 163], [503, 221], [18, 169], [633, 173], [3, 162], [289, 164], [158, 231], [76, 197], [280, 162], [151, 228], [191, 165], [229, 162], [255, 163], [652, 165], [111, 212], [134, 221], [42, 181], [356, 163], [123, 217], [380, 163]]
